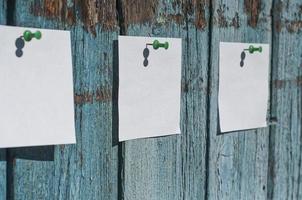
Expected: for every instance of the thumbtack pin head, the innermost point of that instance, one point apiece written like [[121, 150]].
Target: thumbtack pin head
[[28, 35], [252, 49], [38, 35], [156, 44], [166, 45]]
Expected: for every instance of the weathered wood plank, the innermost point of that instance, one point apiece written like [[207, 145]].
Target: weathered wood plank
[[3, 9], [172, 167], [238, 161], [87, 170], [3, 174], [286, 137], [3, 166]]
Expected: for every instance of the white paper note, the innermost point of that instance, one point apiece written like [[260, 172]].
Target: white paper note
[[36, 101], [149, 96], [243, 90]]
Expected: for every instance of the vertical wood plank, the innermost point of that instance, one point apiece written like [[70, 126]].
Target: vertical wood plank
[[172, 167], [238, 161], [3, 174], [87, 170], [3, 9], [286, 137], [3, 14]]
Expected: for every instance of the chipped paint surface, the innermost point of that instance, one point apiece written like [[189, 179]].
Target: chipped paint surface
[[199, 7], [100, 12], [252, 8], [291, 23], [138, 12], [195, 12], [235, 21], [53, 9], [222, 21], [281, 84], [90, 13], [293, 26]]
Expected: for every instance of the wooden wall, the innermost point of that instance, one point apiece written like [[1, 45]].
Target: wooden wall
[[200, 164]]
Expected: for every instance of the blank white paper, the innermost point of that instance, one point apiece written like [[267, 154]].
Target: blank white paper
[[149, 96], [243, 91], [36, 101]]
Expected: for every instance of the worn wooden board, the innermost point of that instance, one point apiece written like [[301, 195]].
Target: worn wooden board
[[172, 167], [238, 162], [3, 166], [286, 136], [87, 170]]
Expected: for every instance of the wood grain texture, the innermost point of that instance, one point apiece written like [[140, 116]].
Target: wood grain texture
[[87, 170], [286, 137], [172, 167], [238, 161], [199, 164], [3, 166], [3, 9]]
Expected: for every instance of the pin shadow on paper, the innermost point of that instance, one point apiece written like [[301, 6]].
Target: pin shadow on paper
[[19, 44], [251, 50], [146, 53], [27, 36], [156, 45]]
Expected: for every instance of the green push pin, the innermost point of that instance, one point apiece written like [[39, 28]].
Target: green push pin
[[252, 49], [156, 45], [28, 35]]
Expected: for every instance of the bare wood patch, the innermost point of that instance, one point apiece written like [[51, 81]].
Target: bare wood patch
[[141, 12], [91, 13], [101, 95], [146, 12], [252, 8], [279, 84]]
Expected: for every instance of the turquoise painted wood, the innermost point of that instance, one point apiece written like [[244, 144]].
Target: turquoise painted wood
[[286, 137], [172, 167], [199, 164], [87, 170], [238, 162]]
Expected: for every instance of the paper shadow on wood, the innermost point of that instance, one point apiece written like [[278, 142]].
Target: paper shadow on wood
[[115, 122], [219, 133], [2, 155], [39, 153], [115, 83]]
